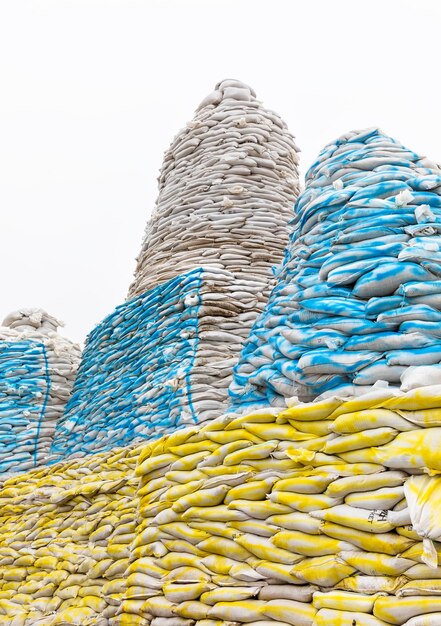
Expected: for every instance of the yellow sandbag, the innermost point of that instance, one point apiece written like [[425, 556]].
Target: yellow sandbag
[[154, 463], [309, 545], [388, 543], [324, 571], [229, 594], [175, 492], [350, 469], [267, 416], [361, 519], [375, 563], [224, 547], [398, 610], [365, 420], [423, 553], [354, 484], [188, 449], [201, 498], [187, 575], [416, 399], [218, 456], [356, 441], [359, 583], [311, 411], [192, 609], [290, 612], [320, 428], [76, 616], [376, 398], [257, 451], [256, 509], [296, 521], [278, 571], [416, 449], [425, 418], [314, 444], [265, 549], [423, 572], [302, 502], [252, 490], [261, 529], [222, 471], [218, 564], [272, 464], [215, 528], [430, 587], [306, 484], [240, 611], [191, 461], [177, 593], [279, 432], [181, 530], [423, 495], [158, 606], [245, 573], [384, 498], [220, 513], [407, 531], [326, 617], [183, 477], [344, 601], [227, 436], [173, 560], [153, 485]]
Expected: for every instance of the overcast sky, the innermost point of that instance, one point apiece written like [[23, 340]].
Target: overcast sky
[[93, 91]]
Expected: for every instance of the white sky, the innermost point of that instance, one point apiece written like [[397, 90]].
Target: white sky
[[93, 91]]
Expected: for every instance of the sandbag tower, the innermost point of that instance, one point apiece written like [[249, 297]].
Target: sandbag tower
[[164, 358], [37, 371]]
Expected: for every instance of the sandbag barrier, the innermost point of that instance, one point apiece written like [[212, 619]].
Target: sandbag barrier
[[358, 297], [226, 191], [324, 513], [159, 362], [37, 370]]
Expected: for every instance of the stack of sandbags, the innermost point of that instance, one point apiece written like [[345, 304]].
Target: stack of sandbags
[[165, 358], [358, 297], [37, 370], [159, 362], [226, 191], [65, 535], [324, 513]]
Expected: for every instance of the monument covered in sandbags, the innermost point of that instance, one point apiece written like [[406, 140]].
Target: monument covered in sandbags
[[164, 358], [358, 296], [37, 370]]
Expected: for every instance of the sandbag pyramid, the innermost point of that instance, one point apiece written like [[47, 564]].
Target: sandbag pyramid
[[358, 297]]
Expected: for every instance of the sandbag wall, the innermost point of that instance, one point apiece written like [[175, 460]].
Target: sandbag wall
[[358, 297], [37, 370], [324, 513]]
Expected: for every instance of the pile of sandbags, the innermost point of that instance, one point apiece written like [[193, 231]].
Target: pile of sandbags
[[324, 513], [226, 192], [37, 370], [65, 535], [164, 359], [160, 361], [358, 297]]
